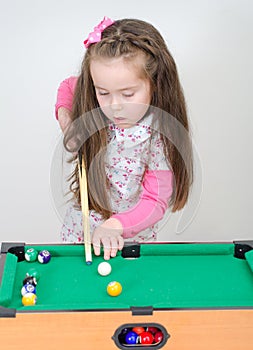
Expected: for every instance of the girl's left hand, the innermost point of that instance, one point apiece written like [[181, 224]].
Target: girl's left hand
[[109, 234]]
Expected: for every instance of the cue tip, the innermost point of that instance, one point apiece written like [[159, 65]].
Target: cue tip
[[88, 262]]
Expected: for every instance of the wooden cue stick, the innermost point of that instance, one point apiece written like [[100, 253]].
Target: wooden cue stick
[[85, 209]]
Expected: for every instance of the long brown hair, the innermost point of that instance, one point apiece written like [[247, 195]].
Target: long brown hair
[[128, 38]]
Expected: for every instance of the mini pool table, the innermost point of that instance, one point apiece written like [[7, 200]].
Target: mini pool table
[[200, 295]]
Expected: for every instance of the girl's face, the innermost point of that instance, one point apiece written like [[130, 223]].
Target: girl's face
[[122, 92]]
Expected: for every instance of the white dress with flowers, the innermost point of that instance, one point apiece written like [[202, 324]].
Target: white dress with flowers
[[129, 153]]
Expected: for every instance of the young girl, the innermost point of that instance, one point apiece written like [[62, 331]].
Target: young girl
[[126, 114]]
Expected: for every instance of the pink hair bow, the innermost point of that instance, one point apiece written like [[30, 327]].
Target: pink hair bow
[[95, 36]]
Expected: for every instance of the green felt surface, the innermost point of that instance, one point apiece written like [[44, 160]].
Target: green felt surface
[[165, 276]]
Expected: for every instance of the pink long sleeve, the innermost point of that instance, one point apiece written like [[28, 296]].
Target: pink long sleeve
[[65, 94], [157, 189]]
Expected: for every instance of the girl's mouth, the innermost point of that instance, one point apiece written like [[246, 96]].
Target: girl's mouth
[[119, 120]]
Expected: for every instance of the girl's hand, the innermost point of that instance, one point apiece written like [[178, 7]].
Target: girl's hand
[[109, 234]]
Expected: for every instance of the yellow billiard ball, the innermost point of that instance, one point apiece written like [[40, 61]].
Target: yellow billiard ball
[[29, 299], [114, 289]]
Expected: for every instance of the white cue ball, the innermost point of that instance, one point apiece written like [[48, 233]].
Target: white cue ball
[[104, 268]]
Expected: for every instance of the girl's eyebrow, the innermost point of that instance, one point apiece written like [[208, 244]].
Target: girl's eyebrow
[[125, 88]]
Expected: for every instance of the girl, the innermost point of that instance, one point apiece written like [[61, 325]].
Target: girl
[[126, 114]]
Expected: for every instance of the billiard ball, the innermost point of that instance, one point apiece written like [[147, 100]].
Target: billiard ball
[[31, 255], [122, 335], [33, 273], [158, 337], [104, 268], [131, 338], [44, 257], [146, 338], [28, 288], [30, 280], [29, 299], [152, 330], [114, 289], [138, 330]]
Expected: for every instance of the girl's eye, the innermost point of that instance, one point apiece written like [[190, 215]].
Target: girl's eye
[[103, 93], [128, 95]]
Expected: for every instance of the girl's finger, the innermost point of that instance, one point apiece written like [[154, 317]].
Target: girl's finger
[[120, 242], [107, 247], [114, 246], [96, 245]]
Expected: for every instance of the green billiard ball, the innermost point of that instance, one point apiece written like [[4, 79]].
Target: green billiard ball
[[33, 273], [31, 255]]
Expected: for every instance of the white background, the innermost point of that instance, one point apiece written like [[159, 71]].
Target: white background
[[41, 43]]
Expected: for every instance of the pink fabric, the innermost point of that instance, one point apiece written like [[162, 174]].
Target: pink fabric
[[95, 36], [65, 94], [157, 189]]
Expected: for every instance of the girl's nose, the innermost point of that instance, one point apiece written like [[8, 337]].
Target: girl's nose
[[116, 103], [116, 106]]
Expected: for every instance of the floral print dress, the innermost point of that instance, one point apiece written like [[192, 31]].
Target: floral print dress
[[129, 153]]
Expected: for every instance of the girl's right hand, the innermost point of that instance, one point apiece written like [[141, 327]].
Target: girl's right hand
[[109, 235]]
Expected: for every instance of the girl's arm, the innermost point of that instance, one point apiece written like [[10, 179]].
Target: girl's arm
[[157, 188], [64, 101], [63, 116], [156, 192]]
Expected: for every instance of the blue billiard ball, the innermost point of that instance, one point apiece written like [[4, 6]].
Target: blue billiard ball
[[131, 337], [44, 257], [28, 288]]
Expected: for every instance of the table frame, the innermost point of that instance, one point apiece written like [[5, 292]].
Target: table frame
[[191, 329]]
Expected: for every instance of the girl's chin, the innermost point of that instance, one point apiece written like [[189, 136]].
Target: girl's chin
[[124, 126]]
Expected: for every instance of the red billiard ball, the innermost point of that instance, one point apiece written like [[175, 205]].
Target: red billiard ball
[[152, 330], [146, 338], [158, 337]]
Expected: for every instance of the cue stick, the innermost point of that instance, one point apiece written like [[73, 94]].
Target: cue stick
[[85, 208]]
